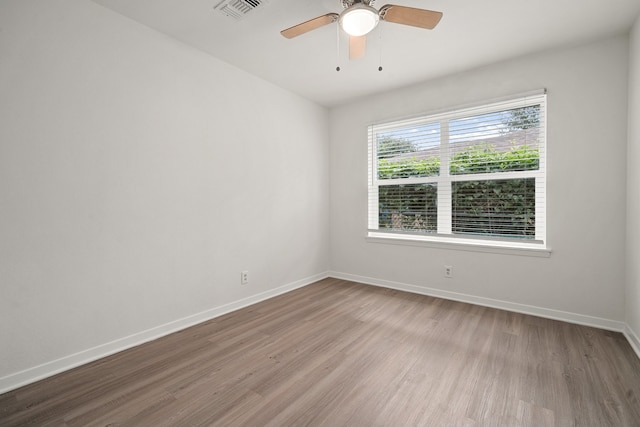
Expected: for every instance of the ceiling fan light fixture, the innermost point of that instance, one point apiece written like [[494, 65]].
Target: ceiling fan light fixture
[[359, 19]]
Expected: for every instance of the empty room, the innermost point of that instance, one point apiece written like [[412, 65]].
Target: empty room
[[319, 213]]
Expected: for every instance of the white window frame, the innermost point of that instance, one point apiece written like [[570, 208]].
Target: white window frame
[[444, 237]]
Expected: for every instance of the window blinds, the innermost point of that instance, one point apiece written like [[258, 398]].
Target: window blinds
[[476, 172]]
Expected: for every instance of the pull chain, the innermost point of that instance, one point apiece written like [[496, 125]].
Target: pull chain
[[338, 47], [380, 43]]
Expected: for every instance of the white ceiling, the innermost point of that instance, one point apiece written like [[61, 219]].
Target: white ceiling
[[471, 33]]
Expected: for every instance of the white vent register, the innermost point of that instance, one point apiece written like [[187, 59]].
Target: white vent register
[[238, 9]]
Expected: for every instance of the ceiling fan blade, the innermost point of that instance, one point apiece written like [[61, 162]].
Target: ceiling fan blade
[[421, 18], [309, 25], [357, 45]]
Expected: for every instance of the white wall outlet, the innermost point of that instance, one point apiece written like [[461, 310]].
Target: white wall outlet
[[448, 271], [244, 277]]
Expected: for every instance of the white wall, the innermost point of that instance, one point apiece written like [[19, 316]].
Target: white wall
[[583, 279], [633, 192], [138, 177]]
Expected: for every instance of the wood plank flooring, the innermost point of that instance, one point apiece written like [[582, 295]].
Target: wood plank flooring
[[338, 353]]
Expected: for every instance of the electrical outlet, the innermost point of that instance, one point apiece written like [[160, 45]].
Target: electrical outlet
[[448, 271], [244, 277]]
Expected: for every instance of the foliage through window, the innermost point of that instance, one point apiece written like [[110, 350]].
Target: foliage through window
[[470, 173]]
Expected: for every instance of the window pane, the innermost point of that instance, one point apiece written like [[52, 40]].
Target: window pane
[[408, 207], [504, 208], [413, 151], [496, 142]]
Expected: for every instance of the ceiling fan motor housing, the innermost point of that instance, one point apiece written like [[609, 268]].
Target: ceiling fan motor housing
[[349, 3]]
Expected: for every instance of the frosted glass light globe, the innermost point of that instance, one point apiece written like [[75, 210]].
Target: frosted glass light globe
[[359, 19]]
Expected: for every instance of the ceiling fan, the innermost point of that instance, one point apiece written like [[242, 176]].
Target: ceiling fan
[[359, 17]]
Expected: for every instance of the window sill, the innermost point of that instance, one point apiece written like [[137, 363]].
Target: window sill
[[497, 247]]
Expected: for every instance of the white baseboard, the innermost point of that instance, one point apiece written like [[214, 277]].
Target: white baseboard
[[36, 373], [564, 316], [633, 339], [48, 369]]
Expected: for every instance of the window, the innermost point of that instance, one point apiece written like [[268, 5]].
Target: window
[[473, 175]]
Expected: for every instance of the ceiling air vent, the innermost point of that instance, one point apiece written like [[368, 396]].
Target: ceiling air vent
[[237, 9]]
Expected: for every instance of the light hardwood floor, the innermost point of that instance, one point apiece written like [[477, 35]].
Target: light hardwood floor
[[338, 353]]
